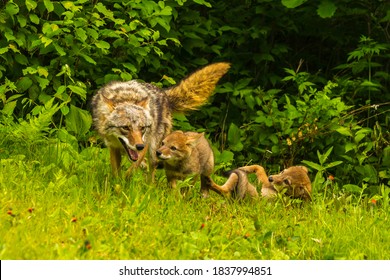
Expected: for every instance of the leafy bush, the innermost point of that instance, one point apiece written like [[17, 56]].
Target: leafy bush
[[307, 77]]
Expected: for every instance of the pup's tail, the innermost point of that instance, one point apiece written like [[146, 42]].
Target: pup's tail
[[193, 91]]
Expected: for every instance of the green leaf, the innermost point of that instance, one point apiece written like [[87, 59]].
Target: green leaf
[[234, 138], [103, 10], [31, 5], [352, 188], [9, 107], [22, 20], [167, 11], [78, 90], [163, 23], [292, 3], [12, 8], [226, 156], [21, 59], [203, 2], [324, 157], [59, 49], [43, 83], [333, 164], [326, 9], [81, 34], [42, 71], [49, 5], [130, 67], [102, 45], [3, 50], [29, 70], [88, 59], [78, 120], [350, 147], [126, 76], [24, 84], [368, 172], [46, 41], [344, 131], [34, 18], [370, 84], [313, 165]]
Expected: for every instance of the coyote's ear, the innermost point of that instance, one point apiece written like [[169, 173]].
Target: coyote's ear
[[143, 103], [109, 102], [193, 138]]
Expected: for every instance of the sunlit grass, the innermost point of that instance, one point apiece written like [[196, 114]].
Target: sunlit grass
[[59, 203]]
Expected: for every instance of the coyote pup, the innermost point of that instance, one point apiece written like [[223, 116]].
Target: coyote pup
[[293, 181], [184, 154], [133, 117]]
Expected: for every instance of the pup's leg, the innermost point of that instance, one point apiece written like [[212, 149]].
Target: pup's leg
[[172, 183], [260, 174], [115, 159], [205, 185], [227, 188]]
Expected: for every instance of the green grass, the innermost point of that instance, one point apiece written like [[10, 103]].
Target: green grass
[[58, 203]]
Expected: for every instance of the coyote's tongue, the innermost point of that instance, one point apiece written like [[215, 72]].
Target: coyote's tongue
[[133, 155]]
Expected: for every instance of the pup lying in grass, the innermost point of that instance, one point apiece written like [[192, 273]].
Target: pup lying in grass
[[293, 181], [184, 154]]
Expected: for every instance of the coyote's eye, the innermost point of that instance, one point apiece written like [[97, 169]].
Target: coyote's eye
[[173, 148], [125, 128], [162, 143]]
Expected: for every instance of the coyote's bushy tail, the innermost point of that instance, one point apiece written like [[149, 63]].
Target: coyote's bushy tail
[[193, 91]]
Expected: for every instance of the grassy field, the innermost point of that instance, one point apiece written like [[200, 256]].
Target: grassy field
[[59, 203]]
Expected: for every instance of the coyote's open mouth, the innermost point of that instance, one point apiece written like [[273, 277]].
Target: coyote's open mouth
[[132, 155]]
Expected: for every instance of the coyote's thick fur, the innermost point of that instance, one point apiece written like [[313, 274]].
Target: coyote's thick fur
[[184, 154], [134, 117]]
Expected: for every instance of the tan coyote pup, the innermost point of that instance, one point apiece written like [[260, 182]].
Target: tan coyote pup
[[184, 154], [293, 181]]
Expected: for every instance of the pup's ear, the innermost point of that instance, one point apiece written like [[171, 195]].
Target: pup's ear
[[305, 169], [109, 102], [193, 138]]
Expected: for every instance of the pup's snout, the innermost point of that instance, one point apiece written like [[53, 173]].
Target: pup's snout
[[139, 147], [158, 153], [270, 179]]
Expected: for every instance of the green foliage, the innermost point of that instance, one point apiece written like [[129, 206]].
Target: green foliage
[[321, 168], [64, 48]]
